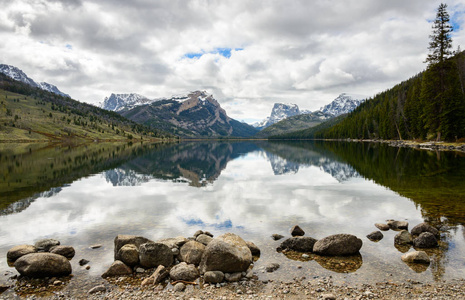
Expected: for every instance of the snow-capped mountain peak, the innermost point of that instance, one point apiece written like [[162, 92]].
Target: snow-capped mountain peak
[[343, 104], [279, 112], [118, 102], [19, 75]]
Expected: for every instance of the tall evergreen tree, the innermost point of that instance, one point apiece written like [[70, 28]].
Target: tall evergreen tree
[[441, 40]]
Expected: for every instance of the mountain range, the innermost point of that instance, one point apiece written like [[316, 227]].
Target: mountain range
[[19, 75], [191, 115]]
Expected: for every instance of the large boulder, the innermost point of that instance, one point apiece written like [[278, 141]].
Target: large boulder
[[184, 272], [122, 239], [38, 265], [425, 240], [424, 227], [117, 268], [66, 251], [298, 243], [191, 252], [338, 245], [227, 253], [128, 254], [154, 254], [416, 257], [18, 251], [46, 244], [403, 238]]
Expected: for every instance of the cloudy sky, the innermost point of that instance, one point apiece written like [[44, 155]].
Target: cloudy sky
[[248, 54]]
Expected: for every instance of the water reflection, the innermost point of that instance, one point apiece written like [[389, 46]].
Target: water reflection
[[88, 195]]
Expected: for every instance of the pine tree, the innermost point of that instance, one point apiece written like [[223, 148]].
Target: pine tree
[[441, 41]]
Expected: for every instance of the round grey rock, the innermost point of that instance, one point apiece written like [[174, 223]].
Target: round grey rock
[[338, 245], [191, 252], [227, 253], [128, 254], [204, 239], [179, 287], [185, 272], [66, 251], [38, 265], [17, 251], [425, 240], [375, 236], [46, 244], [424, 227], [233, 277], [213, 276], [403, 238], [298, 243]]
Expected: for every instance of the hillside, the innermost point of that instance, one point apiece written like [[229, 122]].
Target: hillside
[[30, 113], [428, 106], [294, 123], [194, 115]]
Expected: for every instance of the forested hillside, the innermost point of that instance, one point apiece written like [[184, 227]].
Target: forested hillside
[[29, 113], [428, 106]]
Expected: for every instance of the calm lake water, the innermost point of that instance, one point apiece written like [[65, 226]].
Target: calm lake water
[[88, 194]]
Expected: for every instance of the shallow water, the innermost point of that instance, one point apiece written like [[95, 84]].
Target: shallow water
[[87, 195]]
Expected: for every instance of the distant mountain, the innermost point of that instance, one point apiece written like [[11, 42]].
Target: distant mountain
[[19, 75], [294, 123], [120, 102], [343, 104], [192, 115], [279, 112]]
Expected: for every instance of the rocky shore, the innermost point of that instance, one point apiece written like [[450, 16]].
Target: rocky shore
[[431, 145], [206, 267]]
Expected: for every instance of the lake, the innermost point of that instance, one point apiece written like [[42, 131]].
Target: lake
[[87, 194]]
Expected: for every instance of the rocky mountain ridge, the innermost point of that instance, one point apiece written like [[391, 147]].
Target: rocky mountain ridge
[[343, 104], [17, 74]]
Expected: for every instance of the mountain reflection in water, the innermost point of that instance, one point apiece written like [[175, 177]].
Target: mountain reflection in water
[[88, 194]]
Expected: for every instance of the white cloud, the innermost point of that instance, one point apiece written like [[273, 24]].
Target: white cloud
[[293, 51]]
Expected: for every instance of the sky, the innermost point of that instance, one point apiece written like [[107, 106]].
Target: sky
[[248, 54]]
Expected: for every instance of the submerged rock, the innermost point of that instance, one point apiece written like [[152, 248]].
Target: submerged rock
[[271, 267], [403, 238], [416, 257], [425, 240], [227, 253], [397, 225], [375, 236], [17, 251], [38, 265], [383, 227], [424, 227], [338, 245], [253, 248], [276, 236], [298, 243], [297, 231]]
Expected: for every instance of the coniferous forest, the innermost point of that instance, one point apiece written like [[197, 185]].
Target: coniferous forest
[[428, 106]]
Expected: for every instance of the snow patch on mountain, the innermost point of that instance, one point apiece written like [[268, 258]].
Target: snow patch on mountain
[[19, 75], [119, 102], [343, 104]]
